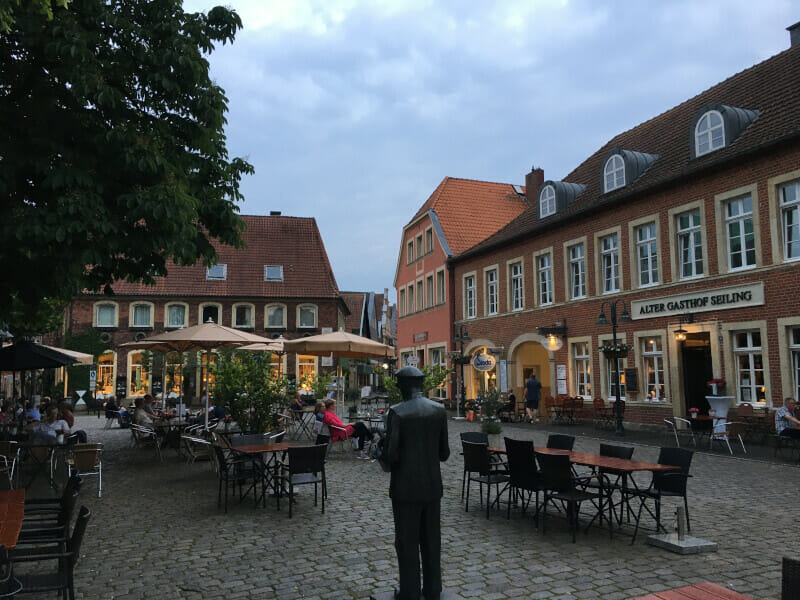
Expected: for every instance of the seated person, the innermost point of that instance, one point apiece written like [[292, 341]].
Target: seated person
[[786, 424], [510, 406], [298, 403], [148, 406], [140, 415], [48, 429], [358, 430], [217, 412], [65, 412], [111, 408], [31, 412]]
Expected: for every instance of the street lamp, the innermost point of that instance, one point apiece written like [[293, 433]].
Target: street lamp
[[460, 337], [623, 318]]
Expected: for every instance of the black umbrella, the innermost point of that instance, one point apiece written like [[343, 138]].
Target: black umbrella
[[26, 356]]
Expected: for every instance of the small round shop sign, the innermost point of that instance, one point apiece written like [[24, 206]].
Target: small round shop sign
[[483, 362]]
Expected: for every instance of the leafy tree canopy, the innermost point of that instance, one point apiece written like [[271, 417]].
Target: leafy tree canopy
[[113, 157], [9, 7]]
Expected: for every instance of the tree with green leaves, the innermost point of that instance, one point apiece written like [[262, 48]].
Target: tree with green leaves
[[113, 158], [434, 376]]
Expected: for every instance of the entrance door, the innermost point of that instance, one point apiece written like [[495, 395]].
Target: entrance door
[[697, 370]]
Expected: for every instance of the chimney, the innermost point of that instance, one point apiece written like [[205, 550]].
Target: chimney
[[533, 181], [274, 213], [794, 34]]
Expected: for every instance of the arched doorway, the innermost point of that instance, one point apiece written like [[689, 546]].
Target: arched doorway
[[477, 381], [527, 355]]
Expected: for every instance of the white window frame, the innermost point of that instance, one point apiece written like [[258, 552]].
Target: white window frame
[[647, 254], [609, 263], [420, 296], [428, 240], [309, 360], [547, 201], [791, 207], [429, 291], [266, 315], [492, 287], [704, 132], [544, 277], [794, 354], [412, 307], [401, 301], [688, 241], [204, 305], [582, 369], [516, 282], [749, 393], [273, 279], [614, 173], [652, 354], [316, 315], [185, 315], [132, 315], [469, 296], [740, 219], [441, 290], [577, 271], [610, 378], [410, 252], [96, 310], [438, 393], [419, 251], [217, 277], [252, 315]]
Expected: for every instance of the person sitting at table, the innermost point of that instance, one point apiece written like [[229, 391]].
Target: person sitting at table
[[31, 412], [510, 405], [344, 431], [111, 408], [65, 413], [140, 415], [148, 407], [48, 429], [786, 424], [298, 403], [216, 412]]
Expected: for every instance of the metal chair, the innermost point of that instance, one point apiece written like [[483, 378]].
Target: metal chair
[[523, 475], [560, 441], [476, 437], [732, 430], [479, 468], [87, 459], [9, 461], [141, 437], [196, 448], [306, 465]]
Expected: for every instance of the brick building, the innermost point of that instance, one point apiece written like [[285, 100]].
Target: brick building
[[693, 220], [280, 284], [459, 214]]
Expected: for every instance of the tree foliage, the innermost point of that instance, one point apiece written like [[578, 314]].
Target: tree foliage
[[435, 376], [113, 158], [8, 8]]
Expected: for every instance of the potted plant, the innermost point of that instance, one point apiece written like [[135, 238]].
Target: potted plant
[[694, 411], [459, 359], [717, 386], [618, 350], [490, 424]]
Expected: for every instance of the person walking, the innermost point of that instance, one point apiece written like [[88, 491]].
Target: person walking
[[533, 389]]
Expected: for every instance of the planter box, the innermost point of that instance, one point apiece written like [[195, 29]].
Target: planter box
[[612, 355]]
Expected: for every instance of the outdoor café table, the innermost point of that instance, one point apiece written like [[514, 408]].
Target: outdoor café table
[[12, 508], [270, 464], [305, 419], [698, 591]]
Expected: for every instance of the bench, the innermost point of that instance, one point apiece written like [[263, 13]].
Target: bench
[[698, 591]]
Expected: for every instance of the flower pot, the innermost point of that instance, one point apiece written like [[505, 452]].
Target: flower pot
[[612, 354], [713, 389], [694, 415]]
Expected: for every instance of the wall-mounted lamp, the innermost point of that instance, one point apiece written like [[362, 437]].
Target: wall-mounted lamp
[[680, 332], [554, 335]]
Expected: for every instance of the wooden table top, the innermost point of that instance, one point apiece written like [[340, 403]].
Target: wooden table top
[[260, 448], [12, 508], [698, 591], [610, 463]]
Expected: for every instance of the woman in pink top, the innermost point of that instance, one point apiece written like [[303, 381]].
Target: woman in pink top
[[342, 431]]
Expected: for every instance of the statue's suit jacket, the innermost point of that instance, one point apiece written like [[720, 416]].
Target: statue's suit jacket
[[416, 438]]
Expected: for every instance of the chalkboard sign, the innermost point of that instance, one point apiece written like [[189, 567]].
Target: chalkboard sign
[[631, 380], [121, 387]]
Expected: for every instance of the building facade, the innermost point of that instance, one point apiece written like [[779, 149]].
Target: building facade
[[459, 214], [690, 222], [281, 284]]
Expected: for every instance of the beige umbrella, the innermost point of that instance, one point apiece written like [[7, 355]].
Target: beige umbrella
[[341, 344], [206, 336], [275, 346], [81, 358]]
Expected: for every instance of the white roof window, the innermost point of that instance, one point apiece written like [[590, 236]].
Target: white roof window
[[273, 272], [547, 201], [614, 173], [709, 133], [217, 272]]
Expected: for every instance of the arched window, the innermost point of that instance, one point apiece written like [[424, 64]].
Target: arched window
[[210, 310], [176, 314], [547, 201], [141, 314], [275, 316], [709, 134], [106, 315], [614, 173], [243, 316], [307, 316]]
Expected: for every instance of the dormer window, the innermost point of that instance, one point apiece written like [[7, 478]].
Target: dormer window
[[614, 173], [217, 272], [547, 201], [273, 272], [709, 133]]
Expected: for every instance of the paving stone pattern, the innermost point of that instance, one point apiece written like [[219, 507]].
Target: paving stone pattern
[[157, 533]]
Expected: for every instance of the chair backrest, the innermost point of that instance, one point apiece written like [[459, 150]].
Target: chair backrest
[[276, 437], [476, 457], [677, 457], [246, 440], [74, 544], [307, 459], [670, 425], [221, 440], [9, 450], [87, 456], [73, 485], [476, 437], [521, 456], [745, 410], [790, 578], [560, 441], [556, 471], [67, 506], [615, 451], [735, 428]]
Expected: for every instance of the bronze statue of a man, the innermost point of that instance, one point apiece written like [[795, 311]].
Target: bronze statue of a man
[[416, 441]]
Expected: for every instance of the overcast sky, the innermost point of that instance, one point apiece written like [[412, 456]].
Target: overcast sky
[[353, 111]]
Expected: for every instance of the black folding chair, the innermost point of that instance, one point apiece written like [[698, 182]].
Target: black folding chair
[[306, 466], [476, 437], [478, 467], [523, 475], [560, 441]]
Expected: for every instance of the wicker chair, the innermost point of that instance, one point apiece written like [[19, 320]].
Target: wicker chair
[[87, 459]]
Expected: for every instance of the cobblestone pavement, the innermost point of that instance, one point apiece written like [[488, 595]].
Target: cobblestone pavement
[[157, 533]]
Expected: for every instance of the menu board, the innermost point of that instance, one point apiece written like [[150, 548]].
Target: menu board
[[121, 387], [631, 380]]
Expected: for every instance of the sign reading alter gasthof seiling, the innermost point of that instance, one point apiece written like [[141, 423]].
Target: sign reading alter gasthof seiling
[[739, 296]]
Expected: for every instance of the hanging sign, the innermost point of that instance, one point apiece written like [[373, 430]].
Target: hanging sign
[[739, 296], [483, 362]]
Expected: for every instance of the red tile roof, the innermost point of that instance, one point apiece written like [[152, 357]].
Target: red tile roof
[[771, 87], [470, 210], [355, 304], [293, 242]]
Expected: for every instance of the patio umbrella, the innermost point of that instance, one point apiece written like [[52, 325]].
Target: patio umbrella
[[206, 336], [341, 344], [28, 356], [274, 346]]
